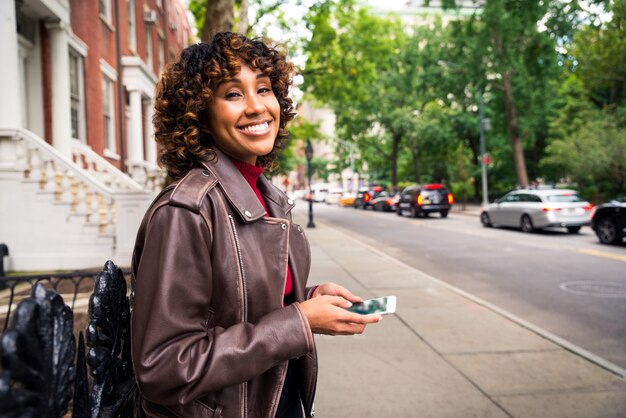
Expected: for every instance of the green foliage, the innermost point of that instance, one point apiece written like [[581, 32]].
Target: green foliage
[[593, 156], [198, 10], [600, 53]]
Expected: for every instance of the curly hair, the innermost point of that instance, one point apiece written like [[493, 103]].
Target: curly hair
[[187, 87]]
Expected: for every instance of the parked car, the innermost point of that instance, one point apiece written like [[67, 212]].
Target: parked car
[[609, 221], [383, 201], [333, 196], [423, 200], [347, 199], [364, 197], [534, 209]]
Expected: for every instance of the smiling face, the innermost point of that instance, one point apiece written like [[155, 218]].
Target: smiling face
[[244, 115]]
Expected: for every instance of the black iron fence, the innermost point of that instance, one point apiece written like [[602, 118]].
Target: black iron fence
[[45, 372]]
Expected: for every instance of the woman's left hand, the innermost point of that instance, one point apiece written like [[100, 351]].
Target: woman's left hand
[[333, 289]]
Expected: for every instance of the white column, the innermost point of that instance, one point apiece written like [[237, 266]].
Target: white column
[[151, 150], [60, 80], [10, 99], [135, 141]]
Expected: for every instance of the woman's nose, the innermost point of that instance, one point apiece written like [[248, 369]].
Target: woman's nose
[[254, 104]]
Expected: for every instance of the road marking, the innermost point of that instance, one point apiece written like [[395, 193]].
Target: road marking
[[602, 254]]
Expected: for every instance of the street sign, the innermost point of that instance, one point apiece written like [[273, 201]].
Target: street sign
[[487, 159]]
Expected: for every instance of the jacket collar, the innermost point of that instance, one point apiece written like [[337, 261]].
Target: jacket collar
[[241, 196]]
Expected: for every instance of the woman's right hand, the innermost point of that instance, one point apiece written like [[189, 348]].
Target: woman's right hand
[[328, 315]]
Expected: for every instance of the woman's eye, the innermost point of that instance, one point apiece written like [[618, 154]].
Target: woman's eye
[[263, 90], [232, 95]]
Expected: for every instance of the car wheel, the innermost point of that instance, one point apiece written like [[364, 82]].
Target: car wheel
[[573, 229], [484, 219], [607, 232], [444, 213], [414, 212], [399, 212], [527, 224]]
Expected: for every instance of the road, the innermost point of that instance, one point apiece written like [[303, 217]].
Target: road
[[569, 285]]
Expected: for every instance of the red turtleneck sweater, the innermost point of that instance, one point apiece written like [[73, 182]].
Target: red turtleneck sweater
[[251, 173]]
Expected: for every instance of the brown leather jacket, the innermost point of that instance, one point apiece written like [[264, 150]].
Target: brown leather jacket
[[210, 337]]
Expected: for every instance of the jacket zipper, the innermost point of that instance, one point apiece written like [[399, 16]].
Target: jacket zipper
[[245, 303], [311, 412]]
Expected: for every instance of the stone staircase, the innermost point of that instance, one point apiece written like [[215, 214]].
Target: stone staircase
[[61, 213]]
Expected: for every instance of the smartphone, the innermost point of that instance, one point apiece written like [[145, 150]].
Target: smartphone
[[383, 306]]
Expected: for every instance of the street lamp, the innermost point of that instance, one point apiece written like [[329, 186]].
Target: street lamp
[[308, 152]]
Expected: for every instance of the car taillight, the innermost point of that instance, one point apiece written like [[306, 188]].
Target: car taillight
[[420, 199], [450, 199], [389, 201], [588, 207], [548, 209], [367, 197]]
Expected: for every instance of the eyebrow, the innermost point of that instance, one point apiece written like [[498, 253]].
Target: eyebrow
[[237, 80]]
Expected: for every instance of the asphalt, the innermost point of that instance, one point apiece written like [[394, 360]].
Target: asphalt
[[445, 352]]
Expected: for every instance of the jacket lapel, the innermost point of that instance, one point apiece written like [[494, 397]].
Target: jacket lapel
[[235, 187]]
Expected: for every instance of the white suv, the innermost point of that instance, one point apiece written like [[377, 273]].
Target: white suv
[[531, 209]]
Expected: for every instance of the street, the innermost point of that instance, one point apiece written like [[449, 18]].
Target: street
[[568, 285]]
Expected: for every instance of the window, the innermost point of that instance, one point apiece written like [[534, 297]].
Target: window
[[132, 24], [108, 113], [161, 54], [149, 47], [105, 10], [564, 197], [77, 101]]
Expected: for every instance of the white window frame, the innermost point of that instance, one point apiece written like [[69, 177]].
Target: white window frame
[[132, 25], [149, 50], [106, 13], [78, 51], [161, 44], [109, 78]]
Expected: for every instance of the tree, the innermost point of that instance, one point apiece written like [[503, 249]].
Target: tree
[[600, 55], [219, 16]]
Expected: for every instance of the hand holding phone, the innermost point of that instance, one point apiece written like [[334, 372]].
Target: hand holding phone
[[383, 306]]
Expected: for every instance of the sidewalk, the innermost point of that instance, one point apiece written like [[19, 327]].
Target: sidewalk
[[444, 353]]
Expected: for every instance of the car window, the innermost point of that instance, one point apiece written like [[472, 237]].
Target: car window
[[528, 197], [511, 198], [564, 197]]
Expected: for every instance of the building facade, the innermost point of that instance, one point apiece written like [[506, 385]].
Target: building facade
[[78, 81]]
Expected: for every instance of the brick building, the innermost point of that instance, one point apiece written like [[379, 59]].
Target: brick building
[[78, 83]]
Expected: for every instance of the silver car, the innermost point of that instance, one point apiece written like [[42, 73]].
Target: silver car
[[531, 209]]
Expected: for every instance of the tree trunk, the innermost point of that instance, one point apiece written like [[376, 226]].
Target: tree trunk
[[242, 26], [218, 18], [394, 158], [416, 164], [513, 128], [511, 118]]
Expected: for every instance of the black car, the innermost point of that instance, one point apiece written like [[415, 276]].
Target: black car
[[364, 197], [423, 200], [609, 221]]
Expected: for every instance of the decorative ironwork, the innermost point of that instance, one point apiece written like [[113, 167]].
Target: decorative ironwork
[[108, 337], [38, 358], [39, 375]]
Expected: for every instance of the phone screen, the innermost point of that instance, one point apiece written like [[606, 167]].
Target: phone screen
[[384, 305]]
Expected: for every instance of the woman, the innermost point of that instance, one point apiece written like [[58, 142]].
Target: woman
[[222, 320]]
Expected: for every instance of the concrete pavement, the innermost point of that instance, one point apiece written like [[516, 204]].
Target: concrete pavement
[[445, 353]]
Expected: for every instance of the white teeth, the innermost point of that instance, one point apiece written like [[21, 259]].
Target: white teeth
[[256, 128]]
